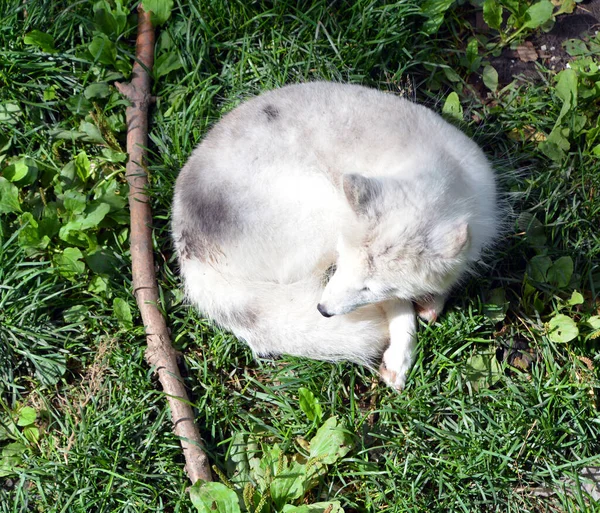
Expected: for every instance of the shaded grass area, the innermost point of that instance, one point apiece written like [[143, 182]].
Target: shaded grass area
[[70, 342]]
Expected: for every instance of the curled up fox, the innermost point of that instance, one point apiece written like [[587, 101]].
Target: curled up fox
[[313, 220]]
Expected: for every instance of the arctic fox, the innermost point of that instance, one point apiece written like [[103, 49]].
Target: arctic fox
[[324, 179]]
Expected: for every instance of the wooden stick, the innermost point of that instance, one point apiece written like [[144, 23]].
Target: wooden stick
[[159, 353]]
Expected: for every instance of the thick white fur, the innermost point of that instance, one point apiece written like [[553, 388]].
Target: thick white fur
[[284, 176]]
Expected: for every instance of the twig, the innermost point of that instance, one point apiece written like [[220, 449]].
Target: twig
[[159, 353]]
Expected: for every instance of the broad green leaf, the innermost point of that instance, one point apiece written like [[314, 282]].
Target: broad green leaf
[[11, 458], [79, 238], [534, 230], [560, 272], [97, 90], [552, 150], [76, 314], [452, 107], [210, 497], [4, 143], [309, 404], [49, 93], [113, 155], [238, 458], [317, 507], [91, 219], [594, 322], [103, 261], [29, 235], [576, 47], [496, 305], [14, 449], [578, 123], [49, 369], [49, 224], [266, 465], [492, 13], [110, 18], [562, 328], [483, 370], [160, 9], [8, 431], [82, 166], [538, 14], [10, 113], [98, 285], [537, 268], [166, 63], [566, 89], [123, 313], [490, 78], [69, 263], [451, 75], [9, 197], [473, 54], [576, 299], [289, 484], [77, 104], [560, 137], [104, 20], [566, 6], [27, 415], [74, 202], [32, 434], [92, 132], [23, 171], [330, 443], [41, 40], [9, 465], [435, 11], [103, 49], [110, 192]]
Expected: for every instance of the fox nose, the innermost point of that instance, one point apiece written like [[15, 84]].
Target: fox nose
[[322, 311]]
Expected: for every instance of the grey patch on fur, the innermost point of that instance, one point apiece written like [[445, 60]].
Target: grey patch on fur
[[190, 244], [272, 112], [329, 272], [205, 219], [361, 192], [187, 244], [242, 317], [209, 213]]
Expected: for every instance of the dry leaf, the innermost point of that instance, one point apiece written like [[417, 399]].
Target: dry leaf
[[527, 52], [526, 133]]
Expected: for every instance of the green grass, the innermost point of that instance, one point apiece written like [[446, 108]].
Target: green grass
[[454, 440]]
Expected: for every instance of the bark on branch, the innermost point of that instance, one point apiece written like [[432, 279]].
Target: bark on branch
[[159, 353]]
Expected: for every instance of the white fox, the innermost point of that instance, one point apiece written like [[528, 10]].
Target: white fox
[[322, 177]]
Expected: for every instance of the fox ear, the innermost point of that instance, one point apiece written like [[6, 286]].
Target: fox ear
[[451, 242], [360, 191]]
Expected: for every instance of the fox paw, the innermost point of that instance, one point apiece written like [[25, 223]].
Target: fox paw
[[429, 309], [393, 378], [427, 312]]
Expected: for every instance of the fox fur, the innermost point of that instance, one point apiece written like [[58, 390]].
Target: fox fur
[[311, 218]]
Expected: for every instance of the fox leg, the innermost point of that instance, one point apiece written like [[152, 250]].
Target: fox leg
[[430, 308], [398, 357]]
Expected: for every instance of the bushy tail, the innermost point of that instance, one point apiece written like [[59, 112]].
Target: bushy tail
[[276, 318]]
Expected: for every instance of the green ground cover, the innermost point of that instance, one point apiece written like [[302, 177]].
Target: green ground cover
[[503, 399]]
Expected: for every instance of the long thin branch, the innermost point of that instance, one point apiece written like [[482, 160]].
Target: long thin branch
[[159, 353]]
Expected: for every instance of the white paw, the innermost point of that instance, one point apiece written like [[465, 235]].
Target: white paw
[[392, 378], [430, 309], [394, 368], [427, 314]]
